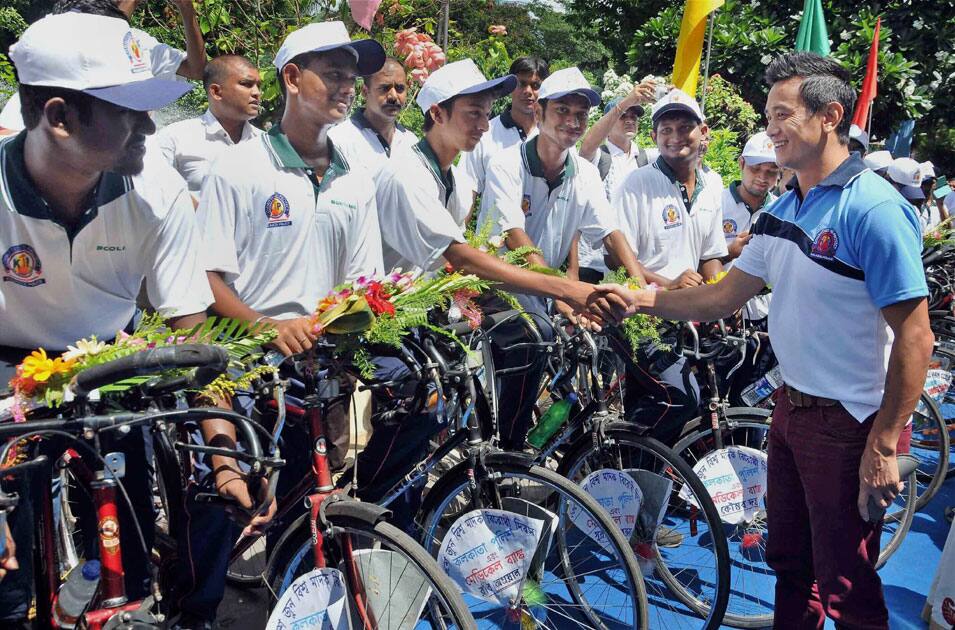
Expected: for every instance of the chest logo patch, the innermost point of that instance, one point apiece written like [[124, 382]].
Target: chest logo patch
[[135, 53], [729, 226], [671, 217], [825, 245], [277, 211], [526, 205], [22, 266]]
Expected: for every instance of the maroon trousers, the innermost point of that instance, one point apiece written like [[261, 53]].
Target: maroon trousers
[[822, 551]]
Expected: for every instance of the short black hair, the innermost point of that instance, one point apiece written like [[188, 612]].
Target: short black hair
[[33, 99], [530, 64], [447, 106], [388, 60], [824, 81], [218, 67], [93, 7]]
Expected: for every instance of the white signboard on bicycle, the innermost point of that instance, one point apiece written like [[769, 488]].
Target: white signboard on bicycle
[[315, 600], [735, 478]]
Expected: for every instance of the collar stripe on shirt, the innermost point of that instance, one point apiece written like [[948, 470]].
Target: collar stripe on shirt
[[770, 225]]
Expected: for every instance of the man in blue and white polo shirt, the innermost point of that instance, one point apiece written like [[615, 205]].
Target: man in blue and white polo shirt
[[849, 325], [85, 217]]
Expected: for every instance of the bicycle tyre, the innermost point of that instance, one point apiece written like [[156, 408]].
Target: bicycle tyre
[[931, 475], [293, 556], [621, 433], [505, 467]]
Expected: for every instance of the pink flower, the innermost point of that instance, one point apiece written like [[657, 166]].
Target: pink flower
[[420, 75], [414, 59], [497, 29]]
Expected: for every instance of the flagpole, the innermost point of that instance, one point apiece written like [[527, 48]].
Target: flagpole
[[706, 68]]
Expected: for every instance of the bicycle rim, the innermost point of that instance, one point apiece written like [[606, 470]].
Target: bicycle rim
[[581, 584], [685, 560], [441, 609]]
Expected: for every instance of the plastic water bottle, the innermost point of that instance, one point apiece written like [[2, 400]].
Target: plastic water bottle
[[551, 422], [76, 594]]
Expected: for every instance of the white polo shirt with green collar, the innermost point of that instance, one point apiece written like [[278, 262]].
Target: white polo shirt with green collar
[[421, 211], [281, 239], [670, 231], [517, 195], [62, 283], [363, 146]]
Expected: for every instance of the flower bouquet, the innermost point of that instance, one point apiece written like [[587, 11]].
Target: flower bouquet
[[43, 380], [938, 235], [382, 310]]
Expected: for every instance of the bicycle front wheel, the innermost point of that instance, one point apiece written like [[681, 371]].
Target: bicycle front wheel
[[579, 582], [392, 581]]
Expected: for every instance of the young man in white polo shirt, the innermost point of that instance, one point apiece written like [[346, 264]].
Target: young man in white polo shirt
[[372, 134], [232, 85], [85, 217], [543, 194], [424, 209], [515, 125], [843, 253], [671, 212]]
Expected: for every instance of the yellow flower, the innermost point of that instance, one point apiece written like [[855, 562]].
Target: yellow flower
[[40, 367], [716, 278]]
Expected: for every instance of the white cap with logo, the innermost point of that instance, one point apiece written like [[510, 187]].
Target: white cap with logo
[[905, 171], [677, 100], [460, 77], [325, 36], [878, 160], [759, 149], [97, 55], [567, 81]]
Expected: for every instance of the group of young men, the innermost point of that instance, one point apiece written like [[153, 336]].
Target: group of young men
[[218, 216]]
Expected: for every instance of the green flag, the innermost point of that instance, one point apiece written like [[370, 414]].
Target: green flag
[[813, 35]]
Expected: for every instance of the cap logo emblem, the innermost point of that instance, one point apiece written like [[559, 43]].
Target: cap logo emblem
[[277, 211], [729, 226], [671, 217], [825, 245], [134, 51], [22, 266]]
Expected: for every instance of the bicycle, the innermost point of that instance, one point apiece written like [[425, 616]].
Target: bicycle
[[86, 420], [490, 482], [725, 429], [674, 539]]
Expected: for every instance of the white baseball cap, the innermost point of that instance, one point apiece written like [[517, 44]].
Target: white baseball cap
[[878, 160], [856, 133], [676, 100], [567, 81], [759, 149], [905, 171], [325, 36], [460, 77], [97, 55], [928, 170]]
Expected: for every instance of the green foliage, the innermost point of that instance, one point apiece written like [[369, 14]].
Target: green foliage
[[11, 22], [723, 153], [725, 108], [637, 328]]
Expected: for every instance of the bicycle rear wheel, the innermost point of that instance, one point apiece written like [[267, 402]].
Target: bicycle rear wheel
[[579, 581], [391, 579], [684, 554]]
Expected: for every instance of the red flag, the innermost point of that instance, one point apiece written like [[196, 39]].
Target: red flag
[[861, 115], [363, 12]]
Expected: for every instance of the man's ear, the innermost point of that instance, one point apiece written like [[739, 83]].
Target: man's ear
[[832, 115], [215, 91], [59, 116], [438, 114], [291, 75]]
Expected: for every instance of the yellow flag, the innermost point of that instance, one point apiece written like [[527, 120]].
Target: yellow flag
[[689, 48]]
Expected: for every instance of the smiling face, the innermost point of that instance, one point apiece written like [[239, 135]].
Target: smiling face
[[324, 87], [798, 135], [524, 96], [678, 136], [387, 90], [625, 129], [564, 120], [114, 138]]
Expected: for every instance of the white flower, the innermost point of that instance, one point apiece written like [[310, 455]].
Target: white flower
[[83, 348], [496, 242], [454, 313]]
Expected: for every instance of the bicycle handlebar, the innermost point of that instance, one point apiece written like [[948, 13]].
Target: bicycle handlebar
[[211, 362], [487, 321]]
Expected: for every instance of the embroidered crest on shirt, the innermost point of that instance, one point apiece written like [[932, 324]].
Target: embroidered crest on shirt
[[22, 266], [825, 245], [671, 217], [526, 205], [729, 226], [277, 210], [135, 53]]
